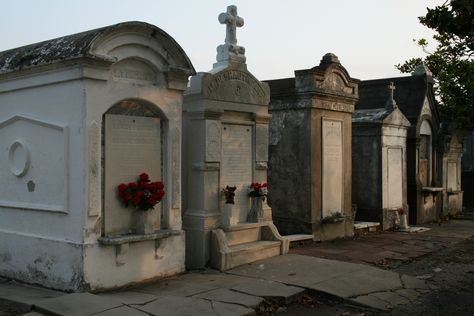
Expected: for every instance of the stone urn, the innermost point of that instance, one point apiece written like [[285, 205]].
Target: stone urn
[[403, 222], [256, 211], [144, 222]]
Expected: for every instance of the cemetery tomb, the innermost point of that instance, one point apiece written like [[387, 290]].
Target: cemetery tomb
[[379, 187], [310, 151], [82, 114], [467, 168], [225, 136], [415, 99], [451, 144]]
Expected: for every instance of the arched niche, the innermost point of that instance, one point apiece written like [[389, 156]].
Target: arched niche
[[134, 134], [425, 153]]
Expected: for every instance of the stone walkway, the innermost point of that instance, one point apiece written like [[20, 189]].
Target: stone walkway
[[280, 280], [386, 248], [276, 281]]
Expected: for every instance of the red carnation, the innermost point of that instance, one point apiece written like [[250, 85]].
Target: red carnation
[[122, 187], [132, 185], [144, 177], [151, 200]]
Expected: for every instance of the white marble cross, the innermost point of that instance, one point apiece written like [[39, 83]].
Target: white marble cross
[[232, 22]]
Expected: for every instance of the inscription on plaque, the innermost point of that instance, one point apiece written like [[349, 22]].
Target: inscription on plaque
[[395, 187], [236, 164], [132, 146], [452, 176], [332, 167]]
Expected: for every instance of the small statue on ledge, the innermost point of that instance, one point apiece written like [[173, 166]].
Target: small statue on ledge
[[229, 193]]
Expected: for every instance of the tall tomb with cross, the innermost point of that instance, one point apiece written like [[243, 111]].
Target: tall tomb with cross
[[225, 137], [379, 160]]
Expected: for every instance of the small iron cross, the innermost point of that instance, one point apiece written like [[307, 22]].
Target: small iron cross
[[232, 22]]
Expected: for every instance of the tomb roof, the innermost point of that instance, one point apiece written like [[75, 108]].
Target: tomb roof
[[77, 46], [370, 115], [410, 94]]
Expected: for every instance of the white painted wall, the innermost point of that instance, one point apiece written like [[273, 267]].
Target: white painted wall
[[44, 246]]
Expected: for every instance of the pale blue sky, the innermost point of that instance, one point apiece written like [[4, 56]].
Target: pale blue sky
[[368, 36]]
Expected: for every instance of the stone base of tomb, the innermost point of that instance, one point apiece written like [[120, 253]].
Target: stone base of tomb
[[330, 230], [388, 218], [244, 243]]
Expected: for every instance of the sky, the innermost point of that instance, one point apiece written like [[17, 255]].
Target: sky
[[279, 36]]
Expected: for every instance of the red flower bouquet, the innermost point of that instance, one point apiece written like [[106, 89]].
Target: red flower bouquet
[[258, 189], [143, 194]]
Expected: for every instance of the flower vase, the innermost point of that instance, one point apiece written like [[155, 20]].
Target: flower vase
[[256, 211], [228, 218], [143, 222], [403, 222]]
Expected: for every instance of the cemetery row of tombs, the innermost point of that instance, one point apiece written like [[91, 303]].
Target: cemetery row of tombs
[[115, 169]]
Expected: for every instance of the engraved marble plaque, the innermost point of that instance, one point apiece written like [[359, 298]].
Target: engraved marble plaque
[[236, 164], [395, 186], [132, 146], [332, 172], [452, 181]]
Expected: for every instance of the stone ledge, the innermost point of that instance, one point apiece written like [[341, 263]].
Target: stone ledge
[[432, 189], [125, 239], [243, 226]]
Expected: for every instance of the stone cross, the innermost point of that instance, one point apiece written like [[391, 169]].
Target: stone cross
[[391, 101], [391, 87], [232, 21]]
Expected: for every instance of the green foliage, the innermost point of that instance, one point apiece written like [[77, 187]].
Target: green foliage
[[452, 62]]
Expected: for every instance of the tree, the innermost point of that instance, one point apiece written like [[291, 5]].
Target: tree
[[452, 62]]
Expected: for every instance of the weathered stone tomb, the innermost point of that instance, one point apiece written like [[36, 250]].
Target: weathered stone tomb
[[452, 149], [310, 151], [415, 99], [467, 168], [379, 184], [226, 144], [79, 115]]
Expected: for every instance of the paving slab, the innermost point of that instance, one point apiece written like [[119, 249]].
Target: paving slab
[[223, 309], [77, 304], [296, 269], [122, 311], [130, 297], [233, 297], [192, 284], [392, 298], [410, 282], [360, 282], [408, 294], [184, 306], [26, 294], [280, 292], [176, 288], [373, 302]]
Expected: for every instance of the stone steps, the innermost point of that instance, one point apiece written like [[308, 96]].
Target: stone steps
[[363, 228], [249, 252], [244, 243]]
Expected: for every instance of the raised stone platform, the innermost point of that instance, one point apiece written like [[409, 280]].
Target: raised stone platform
[[366, 227], [244, 243]]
